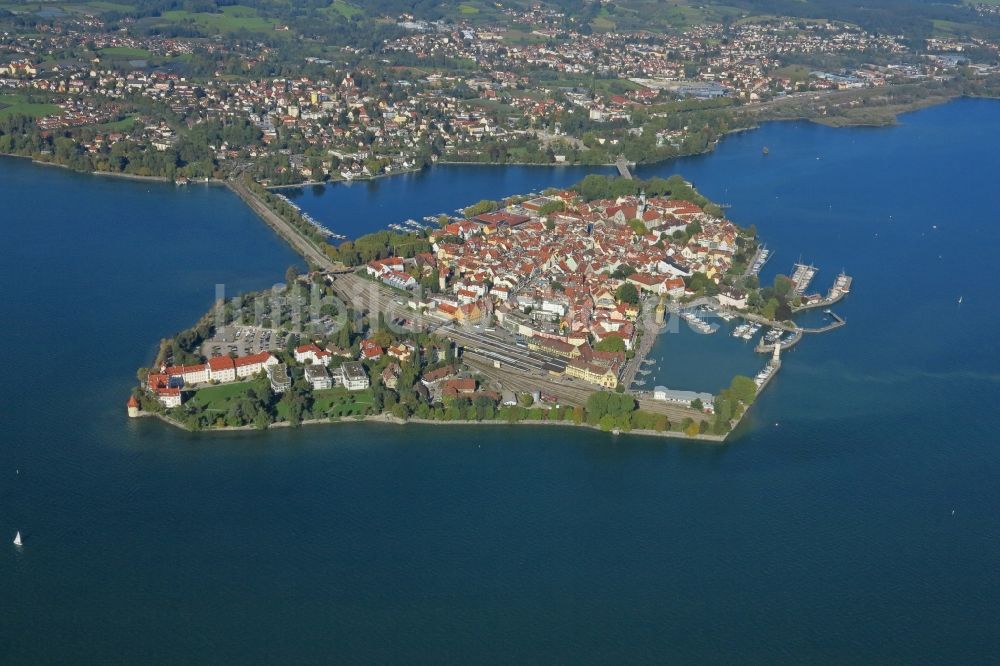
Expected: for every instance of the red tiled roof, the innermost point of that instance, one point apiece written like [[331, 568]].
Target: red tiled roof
[[252, 359], [177, 370], [220, 363]]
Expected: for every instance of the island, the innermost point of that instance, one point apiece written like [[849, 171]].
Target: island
[[537, 309]]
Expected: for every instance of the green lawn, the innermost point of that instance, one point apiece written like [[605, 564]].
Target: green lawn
[[100, 4], [123, 125], [94, 7], [18, 104], [218, 398], [467, 9], [952, 29], [124, 53], [231, 19], [340, 402], [344, 9]]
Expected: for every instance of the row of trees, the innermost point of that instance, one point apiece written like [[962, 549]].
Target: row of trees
[[595, 186]]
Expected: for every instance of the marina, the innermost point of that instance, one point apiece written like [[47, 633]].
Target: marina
[[746, 331], [840, 288], [802, 276], [324, 231], [697, 323], [763, 254]]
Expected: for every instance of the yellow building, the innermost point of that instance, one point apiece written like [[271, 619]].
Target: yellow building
[[606, 376]]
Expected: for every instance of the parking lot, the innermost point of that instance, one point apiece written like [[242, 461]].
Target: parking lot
[[244, 340]]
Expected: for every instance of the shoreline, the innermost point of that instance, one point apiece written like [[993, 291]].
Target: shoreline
[[113, 174], [392, 420], [343, 181], [916, 105]]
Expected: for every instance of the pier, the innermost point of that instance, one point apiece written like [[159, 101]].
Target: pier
[[759, 259], [841, 287], [802, 276], [799, 332], [765, 348]]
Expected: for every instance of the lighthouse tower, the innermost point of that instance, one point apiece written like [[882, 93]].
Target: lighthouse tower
[[776, 355], [133, 407], [661, 312]]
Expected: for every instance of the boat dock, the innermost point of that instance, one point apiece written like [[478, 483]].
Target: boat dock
[[764, 377], [841, 287], [759, 259], [635, 365], [786, 343], [799, 332], [323, 231], [802, 276]]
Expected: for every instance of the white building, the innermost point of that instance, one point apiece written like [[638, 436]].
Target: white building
[[248, 366], [190, 374], [278, 375], [684, 398], [318, 376], [734, 298], [313, 354], [353, 376], [222, 369]]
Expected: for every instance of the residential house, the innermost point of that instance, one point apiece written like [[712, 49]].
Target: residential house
[[278, 376], [313, 354], [353, 376], [318, 376]]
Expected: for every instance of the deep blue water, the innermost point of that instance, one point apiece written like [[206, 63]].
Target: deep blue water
[[824, 532], [360, 207]]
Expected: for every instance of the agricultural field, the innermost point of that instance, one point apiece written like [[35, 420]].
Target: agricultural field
[[123, 125], [93, 7], [124, 53], [230, 19], [344, 9], [19, 104]]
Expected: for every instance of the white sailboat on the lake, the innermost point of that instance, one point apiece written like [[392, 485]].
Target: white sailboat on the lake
[[17, 539]]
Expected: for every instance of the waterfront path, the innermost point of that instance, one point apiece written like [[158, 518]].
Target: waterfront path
[[799, 332], [650, 332], [826, 302]]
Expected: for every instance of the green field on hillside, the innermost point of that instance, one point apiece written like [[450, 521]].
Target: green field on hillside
[[18, 104], [124, 53], [230, 19]]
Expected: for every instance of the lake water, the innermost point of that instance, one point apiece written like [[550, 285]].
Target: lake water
[[854, 518]]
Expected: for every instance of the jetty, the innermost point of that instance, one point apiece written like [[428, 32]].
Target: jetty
[[798, 332], [802, 276], [841, 287], [759, 259]]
